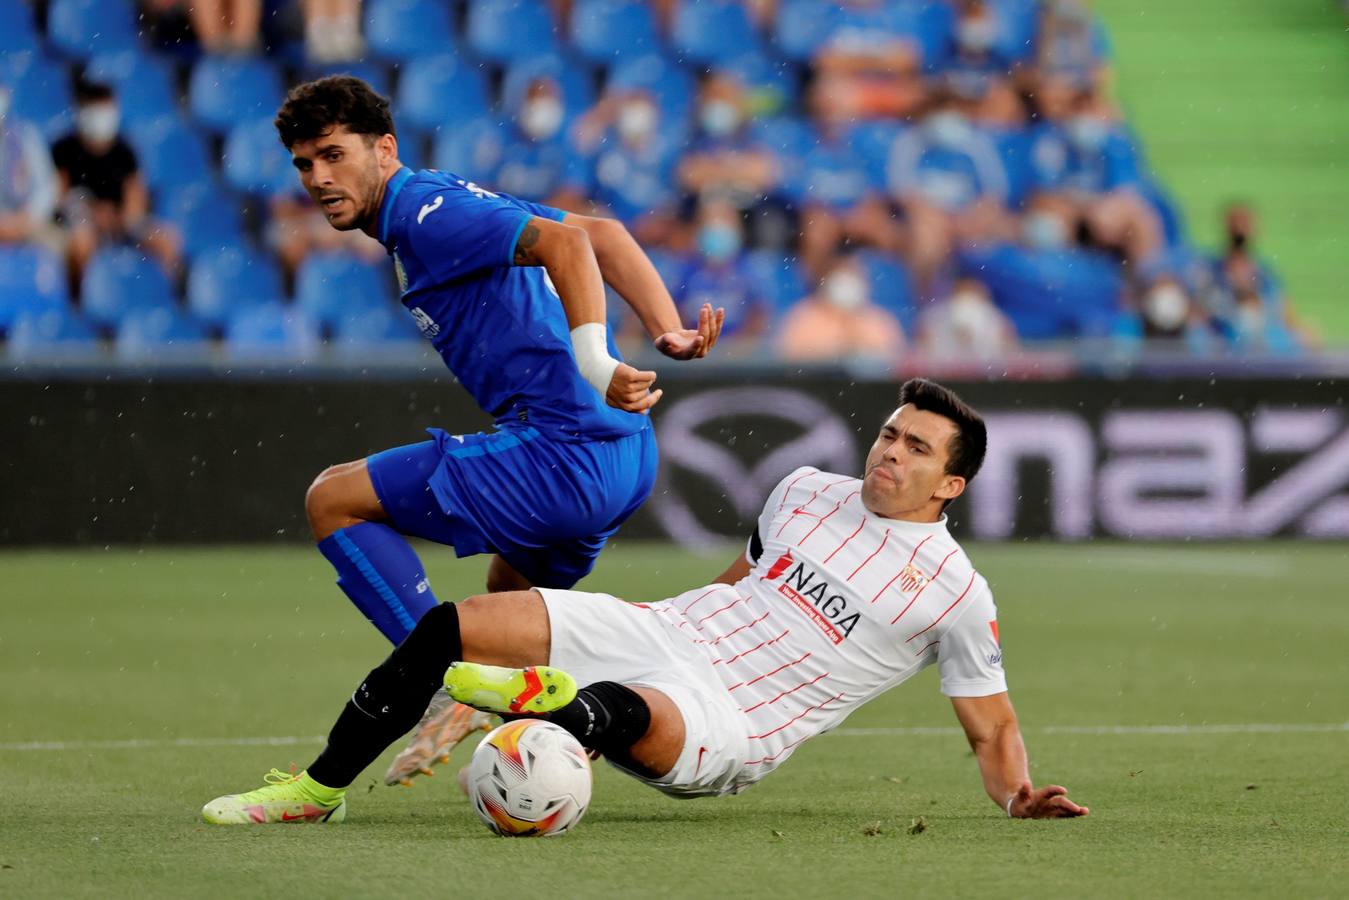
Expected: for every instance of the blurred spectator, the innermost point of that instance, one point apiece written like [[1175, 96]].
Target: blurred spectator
[[869, 53], [226, 26], [1245, 295], [27, 180], [634, 153], [840, 321], [966, 325], [539, 163], [718, 275], [296, 227], [837, 200], [332, 30], [1071, 42], [103, 198], [950, 181], [724, 161]]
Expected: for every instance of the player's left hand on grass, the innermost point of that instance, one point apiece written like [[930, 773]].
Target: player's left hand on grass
[[630, 389], [1044, 803], [694, 343]]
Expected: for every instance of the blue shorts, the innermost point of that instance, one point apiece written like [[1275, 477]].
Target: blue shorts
[[546, 506]]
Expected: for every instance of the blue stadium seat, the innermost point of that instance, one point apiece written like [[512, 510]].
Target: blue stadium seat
[[50, 332], [146, 334], [399, 30], [577, 92], [171, 154], [32, 280], [373, 74], [329, 286], [378, 325], [503, 30], [205, 213], [41, 94], [872, 142], [228, 279], [801, 25], [119, 280], [440, 90], [606, 30], [787, 136], [270, 332], [145, 86], [470, 148], [17, 34], [771, 83], [780, 277], [891, 286], [712, 31], [82, 28], [226, 90], [671, 85], [254, 160]]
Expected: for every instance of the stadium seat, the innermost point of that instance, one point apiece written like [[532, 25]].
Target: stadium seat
[[228, 279], [41, 94], [577, 93], [162, 331], [82, 28], [373, 74], [171, 154], [500, 31], [891, 286], [800, 27], [712, 31], [471, 147], [254, 161], [787, 136], [440, 90], [145, 87], [771, 83], [605, 30], [780, 277], [119, 280], [378, 325], [331, 285], [17, 34], [32, 279], [226, 90], [206, 214], [872, 141], [399, 30], [50, 332], [270, 332], [671, 85]]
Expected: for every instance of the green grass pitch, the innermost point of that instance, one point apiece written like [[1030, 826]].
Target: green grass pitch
[[127, 673]]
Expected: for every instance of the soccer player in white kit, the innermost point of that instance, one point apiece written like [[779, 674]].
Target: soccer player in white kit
[[848, 587]]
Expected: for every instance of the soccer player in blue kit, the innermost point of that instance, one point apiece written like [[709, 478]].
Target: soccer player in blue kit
[[511, 294]]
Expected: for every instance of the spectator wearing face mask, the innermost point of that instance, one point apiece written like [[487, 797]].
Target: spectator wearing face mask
[[1072, 42], [717, 274], [840, 321], [948, 177], [102, 196], [27, 180], [1245, 294], [633, 152], [724, 161], [539, 163], [966, 325]]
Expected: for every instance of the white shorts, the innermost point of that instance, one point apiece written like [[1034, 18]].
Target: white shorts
[[597, 637]]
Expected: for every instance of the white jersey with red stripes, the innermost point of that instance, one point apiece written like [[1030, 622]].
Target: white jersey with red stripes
[[840, 606]]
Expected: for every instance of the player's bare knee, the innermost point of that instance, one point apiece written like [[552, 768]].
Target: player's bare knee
[[323, 503]]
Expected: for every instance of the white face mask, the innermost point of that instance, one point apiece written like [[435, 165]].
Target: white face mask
[[1166, 306], [968, 311], [976, 34], [636, 120], [719, 118], [1044, 231], [845, 289], [98, 122], [541, 117], [949, 129], [1250, 319]]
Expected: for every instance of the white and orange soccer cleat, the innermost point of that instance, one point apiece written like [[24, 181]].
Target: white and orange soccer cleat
[[444, 725]]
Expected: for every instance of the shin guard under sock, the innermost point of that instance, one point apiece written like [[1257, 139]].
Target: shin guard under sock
[[382, 574], [391, 699]]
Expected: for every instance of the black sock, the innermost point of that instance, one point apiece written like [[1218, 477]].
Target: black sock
[[391, 699], [607, 717]]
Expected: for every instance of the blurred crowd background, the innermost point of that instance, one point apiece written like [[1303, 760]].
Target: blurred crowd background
[[855, 180]]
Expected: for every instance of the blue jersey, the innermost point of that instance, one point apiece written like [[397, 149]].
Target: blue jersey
[[500, 328]]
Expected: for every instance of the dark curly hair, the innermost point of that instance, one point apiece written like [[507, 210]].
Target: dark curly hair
[[971, 440], [312, 108]]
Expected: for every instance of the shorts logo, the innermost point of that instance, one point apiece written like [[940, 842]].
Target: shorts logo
[[423, 586], [815, 597], [428, 326], [911, 579]]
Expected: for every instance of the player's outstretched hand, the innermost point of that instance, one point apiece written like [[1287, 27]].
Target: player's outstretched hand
[[1044, 803], [630, 389], [693, 343]]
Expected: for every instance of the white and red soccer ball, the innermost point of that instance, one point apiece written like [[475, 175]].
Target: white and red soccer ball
[[529, 778]]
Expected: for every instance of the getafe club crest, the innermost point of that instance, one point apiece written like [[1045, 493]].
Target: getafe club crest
[[912, 579]]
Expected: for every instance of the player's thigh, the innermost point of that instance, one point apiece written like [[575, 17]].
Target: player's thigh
[[506, 629], [341, 496]]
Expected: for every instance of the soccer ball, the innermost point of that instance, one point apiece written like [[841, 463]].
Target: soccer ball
[[528, 778]]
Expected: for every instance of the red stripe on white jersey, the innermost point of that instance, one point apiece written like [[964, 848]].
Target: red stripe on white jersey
[[787, 493], [845, 541], [759, 678], [737, 601], [825, 518], [768, 759], [948, 609], [793, 719], [901, 569], [930, 582], [879, 548], [739, 629], [759, 646], [785, 693], [711, 590]]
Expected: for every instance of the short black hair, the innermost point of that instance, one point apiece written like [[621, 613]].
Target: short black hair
[[87, 92], [313, 108], [971, 440]]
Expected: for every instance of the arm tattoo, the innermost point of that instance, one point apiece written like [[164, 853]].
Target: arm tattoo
[[525, 244]]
